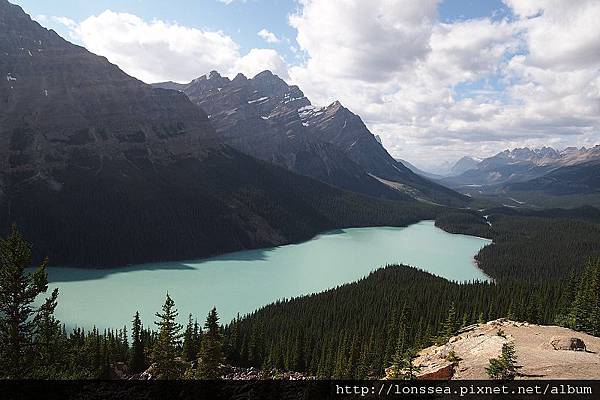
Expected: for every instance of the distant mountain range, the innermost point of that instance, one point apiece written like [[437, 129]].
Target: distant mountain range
[[521, 165], [464, 164], [271, 120], [581, 178], [101, 169], [419, 171]]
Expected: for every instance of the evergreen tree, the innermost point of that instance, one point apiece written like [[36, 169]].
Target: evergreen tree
[[18, 291], [165, 352], [402, 367], [137, 361], [189, 351], [450, 325], [49, 342], [504, 367], [211, 351]]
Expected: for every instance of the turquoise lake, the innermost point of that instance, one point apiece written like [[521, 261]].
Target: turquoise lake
[[244, 281]]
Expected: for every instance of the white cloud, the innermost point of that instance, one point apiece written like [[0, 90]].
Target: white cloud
[[258, 60], [157, 50], [433, 91], [535, 79], [69, 23], [268, 36], [363, 40]]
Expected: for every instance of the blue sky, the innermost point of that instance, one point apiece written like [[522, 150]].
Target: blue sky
[[240, 20], [457, 77]]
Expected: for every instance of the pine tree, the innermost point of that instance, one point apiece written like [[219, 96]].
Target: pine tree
[[504, 367], [165, 349], [211, 348], [402, 367], [137, 362], [450, 325], [480, 319], [189, 351], [18, 291], [49, 342]]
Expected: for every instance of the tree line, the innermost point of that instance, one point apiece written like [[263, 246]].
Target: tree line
[[529, 245], [363, 329], [34, 344]]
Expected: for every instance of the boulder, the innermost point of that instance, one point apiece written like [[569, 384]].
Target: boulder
[[568, 343], [118, 370], [439, 370]]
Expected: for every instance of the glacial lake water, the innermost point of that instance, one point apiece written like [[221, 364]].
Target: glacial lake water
[[244, 281]]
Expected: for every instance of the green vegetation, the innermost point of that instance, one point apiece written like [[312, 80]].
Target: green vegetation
[[210, 355], [372, 323], [465, 222], [504, 367], [24, 329], [532, 246], [581, 301], [165, 350], [189, 209], [364, 329]]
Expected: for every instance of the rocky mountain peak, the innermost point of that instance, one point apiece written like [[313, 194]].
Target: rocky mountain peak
[[61, 102], [270, 83], [271, 120], [239, 79], [214, 75]]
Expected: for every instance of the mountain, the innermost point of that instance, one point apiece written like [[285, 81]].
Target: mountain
[[101, 169], [567, 180], [464, 164], [419, 171], [521, 165], [271, 120]]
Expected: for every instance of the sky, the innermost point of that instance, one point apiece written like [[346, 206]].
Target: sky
[[435, 79]]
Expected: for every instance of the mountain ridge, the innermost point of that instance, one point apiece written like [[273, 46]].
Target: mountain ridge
[[100, 169], [522, 165], [271, 120]]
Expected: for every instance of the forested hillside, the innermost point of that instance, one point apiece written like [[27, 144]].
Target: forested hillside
[[530, 245], [193, 208], [100, 169], [357, 330], [353, 331]]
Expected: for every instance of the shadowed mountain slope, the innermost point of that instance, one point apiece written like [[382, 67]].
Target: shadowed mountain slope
[[268, 119], [101, 169]]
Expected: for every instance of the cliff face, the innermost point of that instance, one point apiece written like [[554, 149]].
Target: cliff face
[[543, 352], [63, 105]]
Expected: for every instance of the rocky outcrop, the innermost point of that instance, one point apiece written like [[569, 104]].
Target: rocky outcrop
[[466, 355], [246, 374], [228, 372], [568, 343]]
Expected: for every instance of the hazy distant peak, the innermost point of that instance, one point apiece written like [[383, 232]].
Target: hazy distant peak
[[466, 163]]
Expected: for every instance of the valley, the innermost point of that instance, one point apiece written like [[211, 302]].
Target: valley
[[239, 283], [229, 226]]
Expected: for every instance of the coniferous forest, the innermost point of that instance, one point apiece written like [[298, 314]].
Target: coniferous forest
[[357, 330]]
